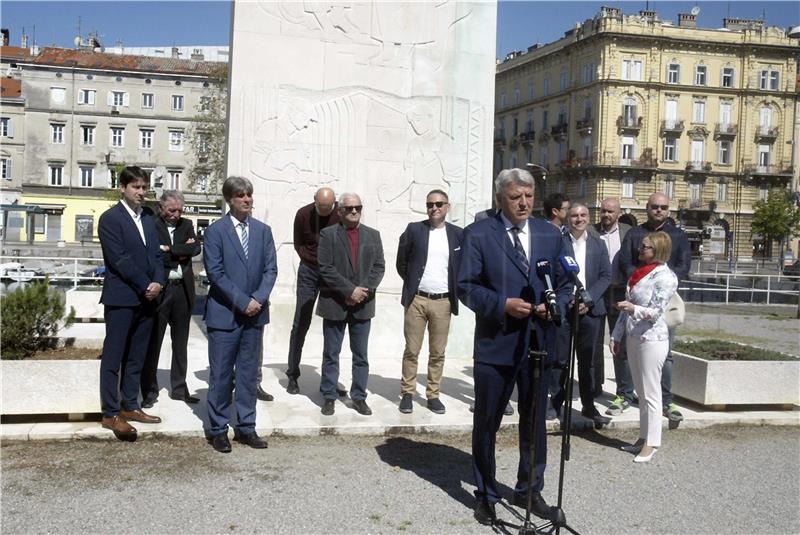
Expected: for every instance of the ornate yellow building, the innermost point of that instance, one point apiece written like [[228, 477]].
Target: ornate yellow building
[[626, 105]]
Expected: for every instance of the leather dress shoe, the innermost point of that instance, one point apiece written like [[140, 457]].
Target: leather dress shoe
[[221, 443], [263, 395], [361, 406], [342, 392], [149, 401], [252, 440], [485, 513], [328, 408], [598, 419], [292, 387], [140, 416], [186, 398], [118, 425], [539, 507]]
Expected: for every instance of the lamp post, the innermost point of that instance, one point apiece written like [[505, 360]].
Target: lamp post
[[543, 171]]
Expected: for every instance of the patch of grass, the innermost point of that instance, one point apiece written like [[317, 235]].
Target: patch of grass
[[689, 334], [725, 350]]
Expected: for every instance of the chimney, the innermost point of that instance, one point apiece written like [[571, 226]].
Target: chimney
[[687, 20], [175, 53], [743, 24], [650, 16], [197, 54], [6, 36]]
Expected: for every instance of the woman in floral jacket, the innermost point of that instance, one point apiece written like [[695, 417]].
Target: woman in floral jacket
[[641, 323]]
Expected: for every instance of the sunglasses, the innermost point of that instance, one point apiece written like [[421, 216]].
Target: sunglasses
[[354, 208], [645, 247], [663, 207], [437, 204]]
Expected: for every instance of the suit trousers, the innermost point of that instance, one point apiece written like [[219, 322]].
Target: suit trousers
[[435, 314], [230, 352], [646, 359], [127, 335], [493, 388], [588, 328], [333, 335], [176, 312], [308, 282]]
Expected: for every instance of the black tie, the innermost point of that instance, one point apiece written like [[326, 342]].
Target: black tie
[[519, 249]]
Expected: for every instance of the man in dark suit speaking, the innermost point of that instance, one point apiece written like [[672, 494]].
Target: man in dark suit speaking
[[497, 282], [134, 278], [351, 266], [241, 265], [178, 245]]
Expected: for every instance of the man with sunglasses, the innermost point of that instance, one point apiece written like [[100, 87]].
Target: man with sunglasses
[[427, 261], [351, 266], [680, 262]]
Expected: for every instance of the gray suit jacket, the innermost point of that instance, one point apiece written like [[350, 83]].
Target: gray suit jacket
[[616, 273], [340, 277]]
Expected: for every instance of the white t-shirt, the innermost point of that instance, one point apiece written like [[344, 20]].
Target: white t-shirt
[[434, 277]]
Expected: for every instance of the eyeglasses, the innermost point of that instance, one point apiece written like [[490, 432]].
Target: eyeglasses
[[354, 208], [663, 207], [437, 204], [645, 247]]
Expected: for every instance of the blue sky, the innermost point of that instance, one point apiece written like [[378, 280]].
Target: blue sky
[[144, 23]]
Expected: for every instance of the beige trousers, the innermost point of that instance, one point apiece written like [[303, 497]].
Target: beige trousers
[[435, 314]]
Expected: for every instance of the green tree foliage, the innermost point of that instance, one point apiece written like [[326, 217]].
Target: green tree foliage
[[30, 318], [207, 135], [777, 217]]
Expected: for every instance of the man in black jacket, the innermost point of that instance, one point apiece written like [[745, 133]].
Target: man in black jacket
[[680, 262], [178, 245], [427, 261]]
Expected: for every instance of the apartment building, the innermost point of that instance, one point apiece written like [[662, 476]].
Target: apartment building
[[88, 113], [627, 105]]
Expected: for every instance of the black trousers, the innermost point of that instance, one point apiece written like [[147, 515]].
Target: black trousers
[[175, 311]]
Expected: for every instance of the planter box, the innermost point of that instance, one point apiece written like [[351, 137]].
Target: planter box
[[50, 386], [730, 382]]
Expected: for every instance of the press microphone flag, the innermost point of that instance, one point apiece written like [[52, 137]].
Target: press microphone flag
[[543, 271], [572, 268]]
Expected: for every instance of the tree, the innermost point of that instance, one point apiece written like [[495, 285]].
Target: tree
[[776, 218], [207, 135]]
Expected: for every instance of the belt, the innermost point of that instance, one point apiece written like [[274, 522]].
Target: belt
[[433, 296], [175, 281]]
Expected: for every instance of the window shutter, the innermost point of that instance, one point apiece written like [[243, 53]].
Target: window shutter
[[10, 128], [110, 98], [92, 97], [126, 100]]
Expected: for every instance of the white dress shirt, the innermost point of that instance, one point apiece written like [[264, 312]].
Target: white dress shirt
[[579, 249], [524, 235], [137, 219]]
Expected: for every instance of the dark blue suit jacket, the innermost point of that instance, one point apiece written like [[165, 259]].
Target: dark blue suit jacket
[[598, 271], [490, 273], [680, 261], [234, 278], [412, 254], [130, 265]]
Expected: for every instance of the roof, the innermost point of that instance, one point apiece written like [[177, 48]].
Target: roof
[[10, 88], [88, 59], [14, 53]]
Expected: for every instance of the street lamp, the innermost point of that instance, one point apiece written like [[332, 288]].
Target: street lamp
[[539, 167]]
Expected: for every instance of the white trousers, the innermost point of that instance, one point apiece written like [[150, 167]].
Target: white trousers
[[646, 358]]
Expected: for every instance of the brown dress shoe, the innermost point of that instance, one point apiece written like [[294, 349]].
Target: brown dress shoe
[[140, 416], [118, 425]]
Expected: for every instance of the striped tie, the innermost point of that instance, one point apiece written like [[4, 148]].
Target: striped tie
[[519, 249], [245, 239]]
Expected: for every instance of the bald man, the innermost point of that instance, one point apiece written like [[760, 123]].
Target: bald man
[[308, 222]]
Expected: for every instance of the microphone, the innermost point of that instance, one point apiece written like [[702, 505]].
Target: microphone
[[572, 268], [543, 272]]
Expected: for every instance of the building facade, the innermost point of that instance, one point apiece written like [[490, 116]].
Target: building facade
[[627, 105], [86, 115]]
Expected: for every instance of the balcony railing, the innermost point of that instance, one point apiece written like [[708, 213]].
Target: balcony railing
[[699, 167], [766, 133], [559, 131], [584, 125], [527, 136], [671, 126], [726, 130], [782, 168], [646, 160], [629, 124]]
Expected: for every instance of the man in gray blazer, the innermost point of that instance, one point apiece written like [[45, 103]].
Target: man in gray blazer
[[351, 266], [612, 232]]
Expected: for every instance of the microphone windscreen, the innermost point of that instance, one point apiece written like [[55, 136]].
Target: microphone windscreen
[[569, 264]]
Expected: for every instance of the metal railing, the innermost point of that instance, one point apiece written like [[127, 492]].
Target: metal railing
[[741, 288], [55, 268]]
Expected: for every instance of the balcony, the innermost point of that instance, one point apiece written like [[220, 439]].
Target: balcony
[[559, 131], [725, 131], [499, 140], [766, 134], [584, 126], [777, 169], [671, 127], [698, 167], [629, 125], [527, 137]]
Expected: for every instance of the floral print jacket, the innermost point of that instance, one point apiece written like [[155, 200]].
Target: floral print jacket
[[651, 295]]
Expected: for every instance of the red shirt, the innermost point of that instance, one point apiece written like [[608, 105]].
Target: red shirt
[[352, 237]]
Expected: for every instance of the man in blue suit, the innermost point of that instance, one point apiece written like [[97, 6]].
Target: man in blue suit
[[591, 254], [134, 278], [497, 282], [241, 265]]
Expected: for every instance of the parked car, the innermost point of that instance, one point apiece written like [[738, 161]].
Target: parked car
[[792, 270]]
